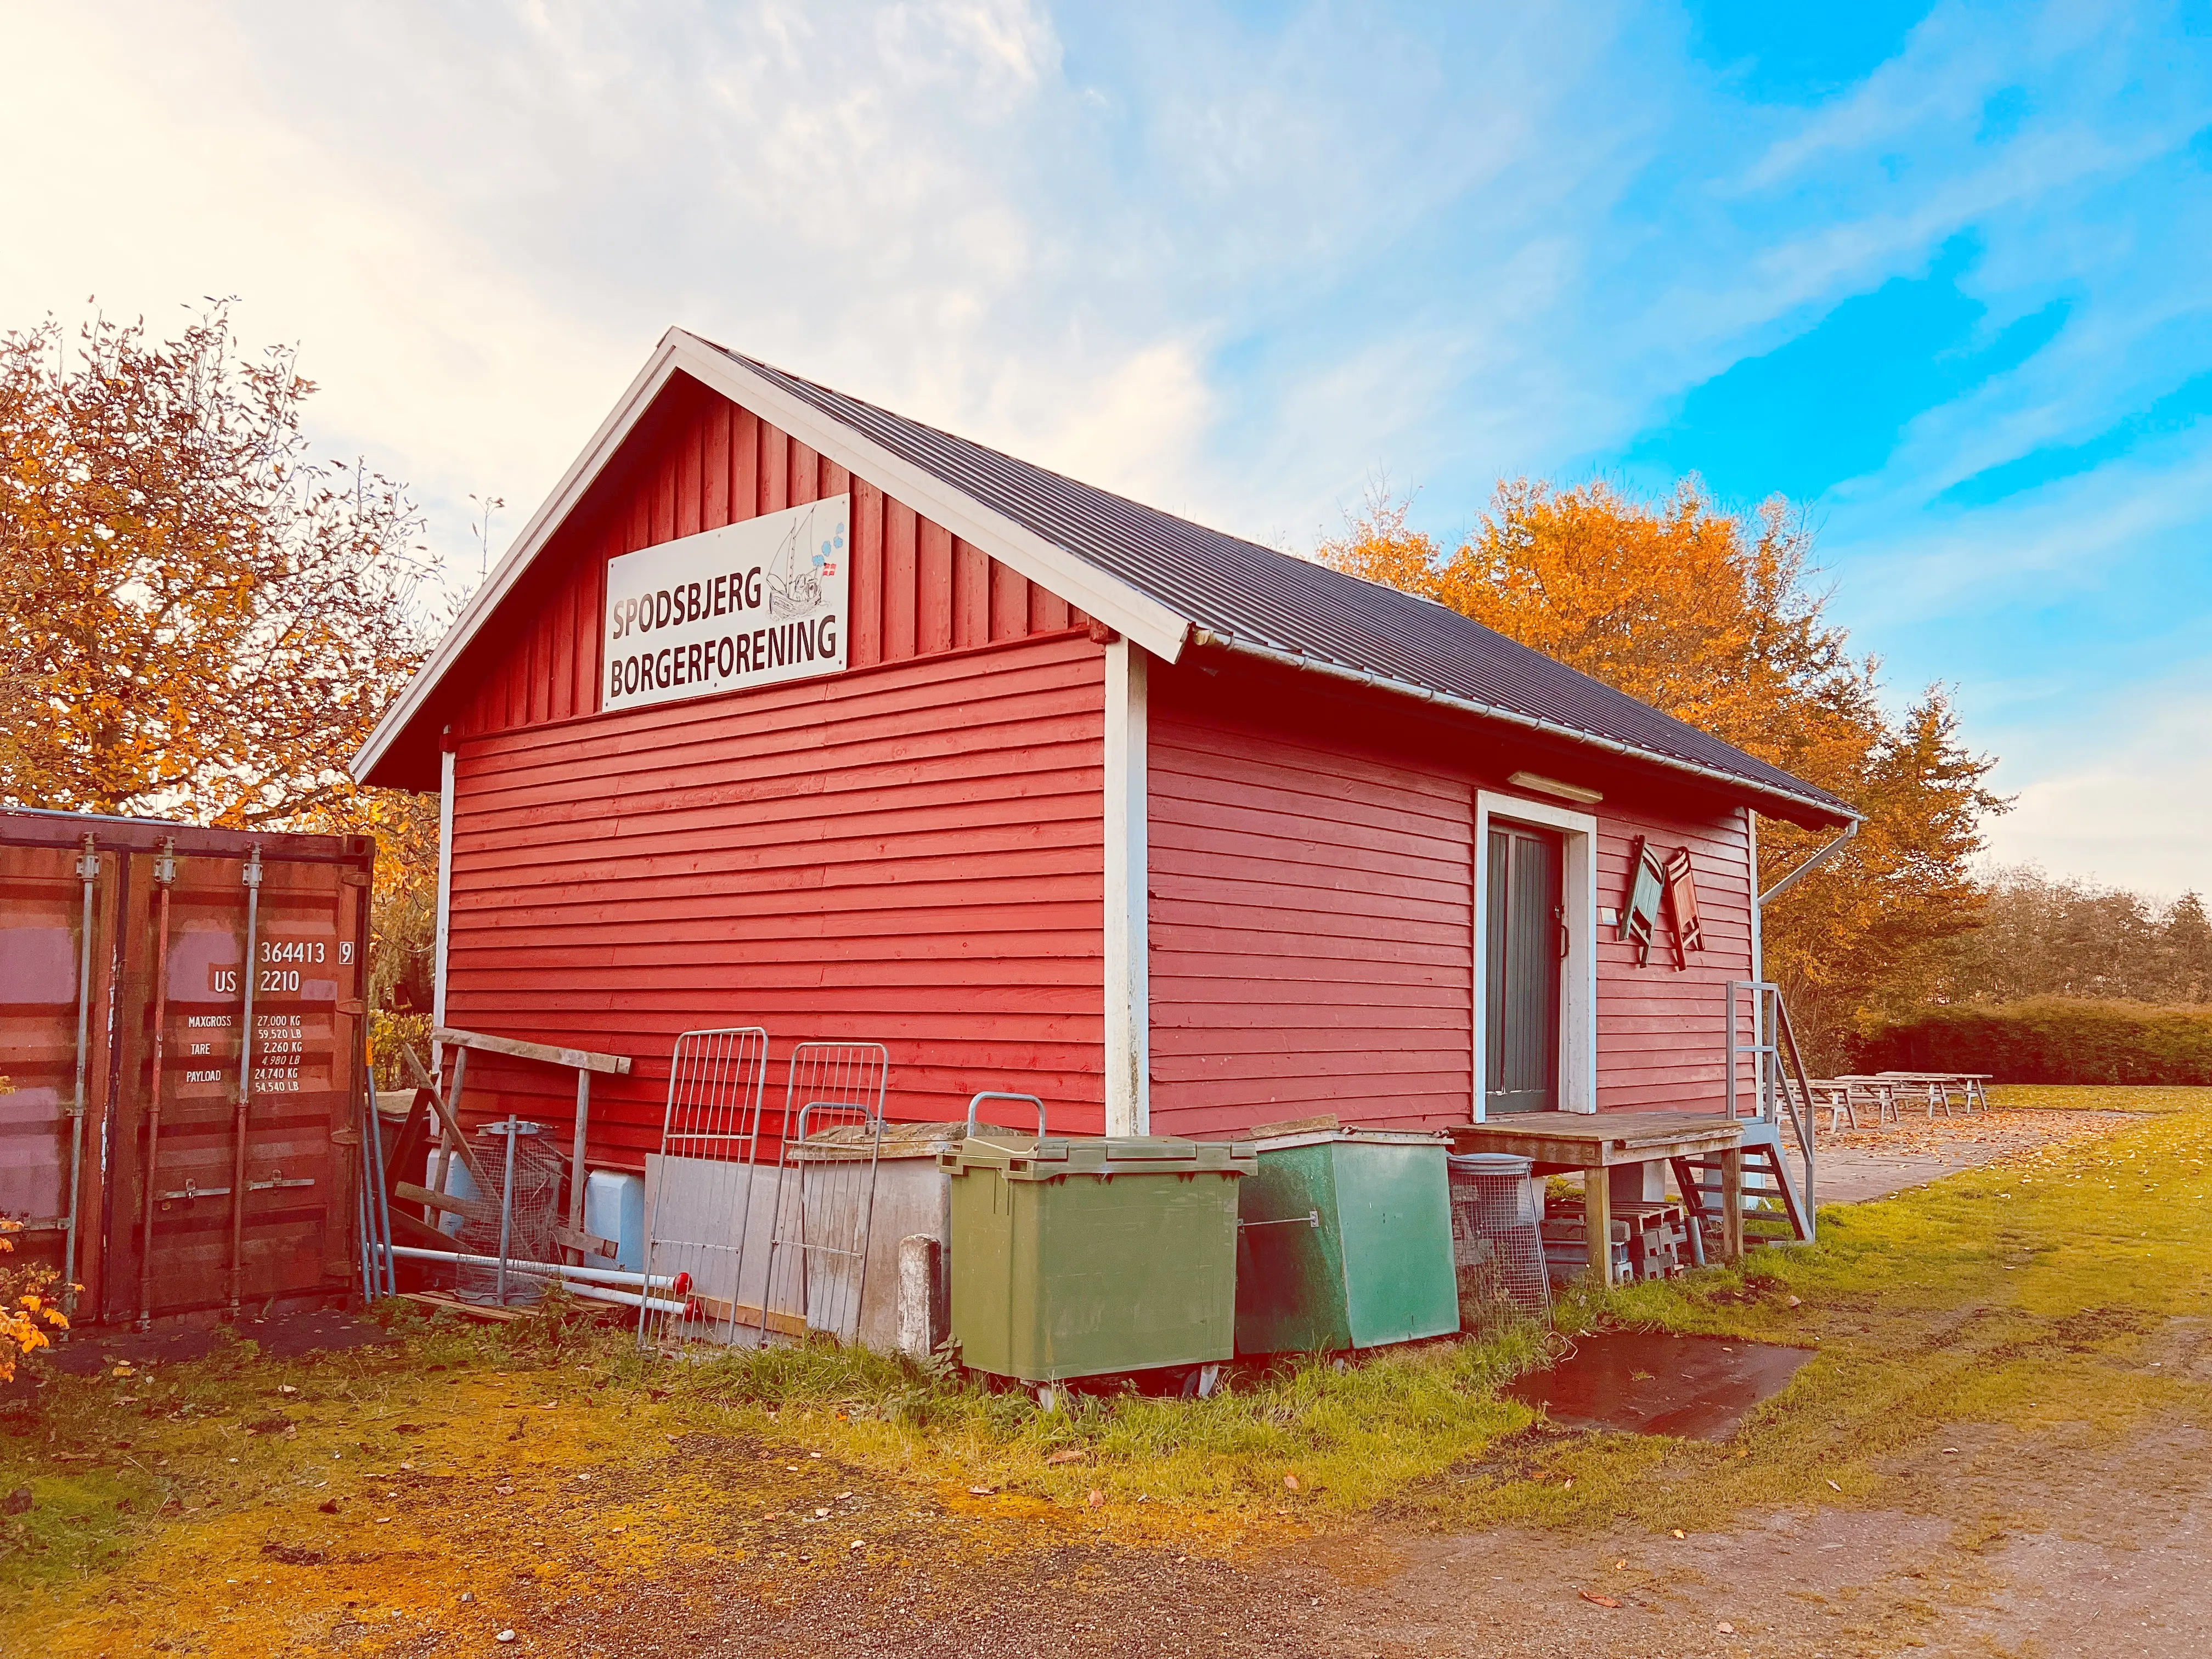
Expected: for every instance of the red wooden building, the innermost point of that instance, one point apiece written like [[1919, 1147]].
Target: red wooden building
[[785, 710]]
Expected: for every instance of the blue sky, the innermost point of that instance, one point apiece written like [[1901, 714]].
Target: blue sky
[[1939, 273]]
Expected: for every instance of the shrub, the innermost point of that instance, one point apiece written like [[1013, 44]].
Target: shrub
[[28, 1311], [2050, 1040]]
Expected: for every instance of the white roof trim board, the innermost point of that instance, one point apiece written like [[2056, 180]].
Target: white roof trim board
[[1162, 581]]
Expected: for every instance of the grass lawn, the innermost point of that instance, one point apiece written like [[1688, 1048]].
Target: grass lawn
[[359, 1495]]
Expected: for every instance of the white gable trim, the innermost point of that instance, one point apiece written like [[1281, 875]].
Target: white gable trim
[[1134, 614]]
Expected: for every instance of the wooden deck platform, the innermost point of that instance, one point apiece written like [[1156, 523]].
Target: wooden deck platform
[[1595, 1142]]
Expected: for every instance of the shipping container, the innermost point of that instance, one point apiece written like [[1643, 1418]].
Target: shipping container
[[182, 1029]]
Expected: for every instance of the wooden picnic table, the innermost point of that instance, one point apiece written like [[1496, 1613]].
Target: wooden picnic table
[[1597, 1142], [1971, 1084], [1935, 1086], [1840, 1096]]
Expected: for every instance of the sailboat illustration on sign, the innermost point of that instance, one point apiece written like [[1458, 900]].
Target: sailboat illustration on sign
[[796, 569]]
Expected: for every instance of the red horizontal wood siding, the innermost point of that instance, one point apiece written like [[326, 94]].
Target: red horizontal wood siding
[[1312, 917], [909, 855], [698, 462], [1660, 1041]]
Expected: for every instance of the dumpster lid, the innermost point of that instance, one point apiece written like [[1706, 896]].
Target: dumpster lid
[[1284, 1142], [1025, 1158]]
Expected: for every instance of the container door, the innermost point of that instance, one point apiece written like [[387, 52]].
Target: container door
[[178, 1167], [1522, 970], [42, 956]]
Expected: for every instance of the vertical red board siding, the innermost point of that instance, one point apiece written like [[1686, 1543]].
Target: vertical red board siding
[[911, 856], [698, 463], [866, 649], [1312, 921], [932, 587], [901, 567], [1660, 1041]]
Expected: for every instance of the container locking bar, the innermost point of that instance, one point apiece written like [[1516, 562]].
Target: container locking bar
[[1310, 1218]]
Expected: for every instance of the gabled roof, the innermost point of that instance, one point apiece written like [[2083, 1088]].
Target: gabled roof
[[1163, 581]]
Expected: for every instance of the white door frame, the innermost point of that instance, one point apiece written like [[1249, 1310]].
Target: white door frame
[[1578, 832]]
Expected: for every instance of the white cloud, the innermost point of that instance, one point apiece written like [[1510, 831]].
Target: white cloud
[[2132, 811]]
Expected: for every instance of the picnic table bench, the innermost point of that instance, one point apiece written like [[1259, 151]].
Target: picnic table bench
[[1933, 1088]]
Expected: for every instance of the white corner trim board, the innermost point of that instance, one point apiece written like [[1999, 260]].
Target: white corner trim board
[[445, 889], [1578, 972], [1128, 940]]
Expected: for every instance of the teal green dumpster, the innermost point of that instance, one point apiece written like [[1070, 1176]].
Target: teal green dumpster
[[1079, 1258], [1346, 1242]]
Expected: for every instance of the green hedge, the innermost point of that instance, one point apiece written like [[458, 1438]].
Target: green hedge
[[2052, 1040]]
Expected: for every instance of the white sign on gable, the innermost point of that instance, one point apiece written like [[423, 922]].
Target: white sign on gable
[[751, 604]]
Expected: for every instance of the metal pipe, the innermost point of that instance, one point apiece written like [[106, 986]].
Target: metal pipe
[[165, 873], [361, 1224], [382, 1194], [679, 1283], [1492, 711], [644, 1304], [506, 1208], [1806, 868], [251, 878], [88, 870]]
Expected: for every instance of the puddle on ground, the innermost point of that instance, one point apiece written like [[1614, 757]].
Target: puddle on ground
[[1650, 1383]]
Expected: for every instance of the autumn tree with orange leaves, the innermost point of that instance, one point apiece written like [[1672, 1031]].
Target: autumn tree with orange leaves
[[198, 618], [1712, 617]]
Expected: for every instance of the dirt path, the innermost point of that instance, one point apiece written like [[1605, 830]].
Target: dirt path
[[2003, 1547], [1873, 1163]]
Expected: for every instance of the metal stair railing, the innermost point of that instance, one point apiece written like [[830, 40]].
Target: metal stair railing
[[1782, 1088]]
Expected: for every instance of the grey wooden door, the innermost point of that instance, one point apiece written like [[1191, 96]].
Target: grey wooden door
[[1521, 1048]]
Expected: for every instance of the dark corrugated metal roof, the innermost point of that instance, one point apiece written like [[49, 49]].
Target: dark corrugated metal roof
[[1257, 596]]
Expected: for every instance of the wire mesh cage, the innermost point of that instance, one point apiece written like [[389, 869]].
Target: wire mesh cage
[[700, 1207], [816, 1268], [1498, 1243], [515, 1221]]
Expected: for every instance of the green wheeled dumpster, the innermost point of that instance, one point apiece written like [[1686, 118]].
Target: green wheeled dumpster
[[1075, 1257], [1346, 1242]]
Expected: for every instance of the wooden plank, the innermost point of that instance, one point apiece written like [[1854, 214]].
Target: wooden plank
[[775, 470], [867, 586], [1010, 602], [722, 1312], [584, 1243], [1732, 1204], [691, 481], [451, 1139], [933, 588], [438, 1300], [1597, 1223], [745, 465], [902, 574], [476, 1209], [714, 468], [578, 1059], [971, 596]]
